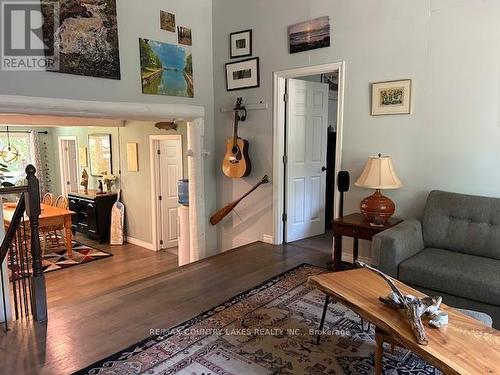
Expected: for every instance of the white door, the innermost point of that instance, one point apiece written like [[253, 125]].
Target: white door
[[68, 164], [306, 142], [169, 171]]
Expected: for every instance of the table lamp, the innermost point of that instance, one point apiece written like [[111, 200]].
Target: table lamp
[[378, 174]]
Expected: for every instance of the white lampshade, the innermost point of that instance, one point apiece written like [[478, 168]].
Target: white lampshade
[[379, 174]]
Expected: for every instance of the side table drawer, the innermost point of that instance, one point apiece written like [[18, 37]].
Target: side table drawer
[[361, 233]]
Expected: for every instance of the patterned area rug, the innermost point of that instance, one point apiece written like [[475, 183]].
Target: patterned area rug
[[269, 329], [55, 259]]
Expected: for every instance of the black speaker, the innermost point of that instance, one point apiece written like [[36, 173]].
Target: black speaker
[[343, 181]]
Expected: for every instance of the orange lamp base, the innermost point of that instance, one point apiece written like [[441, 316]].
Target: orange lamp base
[[377, 208]]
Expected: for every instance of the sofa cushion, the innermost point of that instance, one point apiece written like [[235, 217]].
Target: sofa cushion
[[461, 275], [464, 223]]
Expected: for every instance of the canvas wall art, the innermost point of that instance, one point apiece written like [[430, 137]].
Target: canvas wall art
[[185, 36], [86, 41], [309, 35], [166, 69], [391, 97], [167, 21]]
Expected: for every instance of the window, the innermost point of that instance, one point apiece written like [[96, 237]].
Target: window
[[21, 141]]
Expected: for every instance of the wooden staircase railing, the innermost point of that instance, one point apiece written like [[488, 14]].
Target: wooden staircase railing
[[22, 244]]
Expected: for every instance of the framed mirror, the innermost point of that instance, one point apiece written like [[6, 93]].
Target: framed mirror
[[100, 154]]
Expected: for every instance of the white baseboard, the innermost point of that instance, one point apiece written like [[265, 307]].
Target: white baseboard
[[144, 244]]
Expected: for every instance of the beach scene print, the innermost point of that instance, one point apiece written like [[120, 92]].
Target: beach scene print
[[309, 35], [166, 69]]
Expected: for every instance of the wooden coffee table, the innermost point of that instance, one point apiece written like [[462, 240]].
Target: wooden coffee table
[[465, 346]]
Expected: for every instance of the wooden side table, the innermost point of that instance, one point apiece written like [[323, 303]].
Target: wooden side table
[[355, 226]]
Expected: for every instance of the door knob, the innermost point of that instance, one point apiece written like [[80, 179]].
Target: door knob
[[323, 169]]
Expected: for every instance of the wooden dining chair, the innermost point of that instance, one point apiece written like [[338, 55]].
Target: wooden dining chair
[[48, 198], [62, 202], [53, 234]]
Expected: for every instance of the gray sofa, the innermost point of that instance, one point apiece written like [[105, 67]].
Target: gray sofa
[[453, 252]]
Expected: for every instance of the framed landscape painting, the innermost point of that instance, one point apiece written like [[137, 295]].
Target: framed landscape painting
[[309, 35], [86, 40], [166, 69], [391, 97]]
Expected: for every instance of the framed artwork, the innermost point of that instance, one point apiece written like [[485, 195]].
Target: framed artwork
[[100, 154], [86, 38], [166, 69], [167, 21], [391, 97], [132, 159], [185, 36], [309, 35], [82, 157], [240, 44], [243, 74]]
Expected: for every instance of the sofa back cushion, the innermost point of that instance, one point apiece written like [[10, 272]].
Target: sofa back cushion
[[463, 223]]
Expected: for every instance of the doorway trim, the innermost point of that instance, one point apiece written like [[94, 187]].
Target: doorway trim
[[279, 108], [154, 190], [61, 166]]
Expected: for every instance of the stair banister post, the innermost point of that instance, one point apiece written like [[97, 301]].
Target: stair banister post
[[33, 210]]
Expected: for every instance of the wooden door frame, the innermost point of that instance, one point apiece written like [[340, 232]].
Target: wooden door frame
[[61, 167], [279, 118], [154, 187]]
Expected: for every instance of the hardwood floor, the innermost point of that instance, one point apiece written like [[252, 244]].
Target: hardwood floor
[[99, 308]]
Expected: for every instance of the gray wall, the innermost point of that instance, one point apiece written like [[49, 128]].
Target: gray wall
[[136, 186], [448, 48], [139, 19]]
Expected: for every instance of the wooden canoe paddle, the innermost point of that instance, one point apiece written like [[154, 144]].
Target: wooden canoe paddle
[[223, 212]]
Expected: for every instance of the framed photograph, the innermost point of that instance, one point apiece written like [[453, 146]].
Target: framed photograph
[[309, 35], [243, 74], [391, 97], [167, 21], [240, 44], [185, 36]]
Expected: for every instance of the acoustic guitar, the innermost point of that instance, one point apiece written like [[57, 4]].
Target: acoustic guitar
[[236, 163]]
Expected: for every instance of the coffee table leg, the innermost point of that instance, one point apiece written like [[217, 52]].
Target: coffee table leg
[[379, 352], [323, 316]]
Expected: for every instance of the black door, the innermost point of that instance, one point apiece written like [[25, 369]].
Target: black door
[[330, 176]]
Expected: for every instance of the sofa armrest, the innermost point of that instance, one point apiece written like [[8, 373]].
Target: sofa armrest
[[397, 244]]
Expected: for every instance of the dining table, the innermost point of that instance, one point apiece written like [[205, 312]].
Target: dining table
[[50, 217]]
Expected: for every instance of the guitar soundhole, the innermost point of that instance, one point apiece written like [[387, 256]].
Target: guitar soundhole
[[235, 150]]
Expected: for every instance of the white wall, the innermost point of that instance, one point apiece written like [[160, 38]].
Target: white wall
[[137, 19], [449, 48]]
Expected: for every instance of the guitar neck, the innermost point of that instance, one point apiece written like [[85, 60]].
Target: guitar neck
[[235, 128]]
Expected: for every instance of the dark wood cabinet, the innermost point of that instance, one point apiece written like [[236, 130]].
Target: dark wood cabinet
[[93, 213]]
